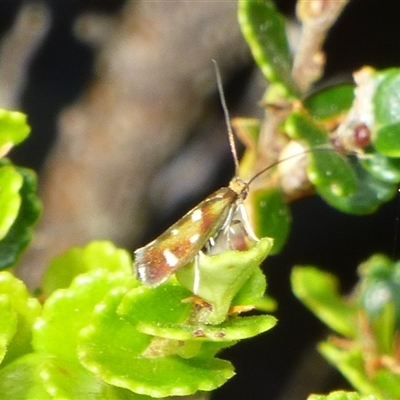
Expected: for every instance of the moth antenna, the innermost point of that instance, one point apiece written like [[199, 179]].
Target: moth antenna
[[227, 118], [274, 164]]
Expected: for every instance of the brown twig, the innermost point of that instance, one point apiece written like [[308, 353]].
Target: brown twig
[[317, 17]]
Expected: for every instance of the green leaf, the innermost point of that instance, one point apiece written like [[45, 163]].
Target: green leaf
[[299, 126], [319, 292], [340, 181], [388, 383], [351, 364], [67, 311], [13, 129], [252, 292], [36, 376], [332, 174], [8, 324], [271, 216], [21, 380], [10, 200], [21, 231], [381, 167], [96, 255], [386, 102], [369, 195], [161, 306], [25, 308], [114, 350], [264, 30], [221, 277], [330, 102], [145, 309], [70, 380], [379, 287], [341, 395], [387, 140]]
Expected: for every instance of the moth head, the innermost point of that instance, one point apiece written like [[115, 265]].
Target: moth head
[[240, 187]]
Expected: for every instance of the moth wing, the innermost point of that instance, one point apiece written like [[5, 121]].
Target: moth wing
[[179, 244]]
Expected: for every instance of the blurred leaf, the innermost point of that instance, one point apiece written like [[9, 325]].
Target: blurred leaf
[[115, 351], [388, 140], [386, 103], [300, 126], [13, 129], [96, 255], [369, 195], [10, 199], [271, 217], [341, 395], [21, 380], [8, 324], [381, 167], [330, 102], [332, 175], [21, 231], [38, 377], [384, 384], [388, 382], [264, 30], [319, 292], [386, 100], [379, 287], [351, 364], [67, 311], [70, 380], [25, 308], [248, 131]]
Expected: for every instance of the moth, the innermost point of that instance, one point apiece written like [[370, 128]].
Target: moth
[[182, 242]]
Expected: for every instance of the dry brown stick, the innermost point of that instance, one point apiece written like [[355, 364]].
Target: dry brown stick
[[317, 17]]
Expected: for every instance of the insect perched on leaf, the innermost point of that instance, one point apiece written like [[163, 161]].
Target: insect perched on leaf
[[183, 241]]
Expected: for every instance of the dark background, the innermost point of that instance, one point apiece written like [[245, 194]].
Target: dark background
[[366, 34]]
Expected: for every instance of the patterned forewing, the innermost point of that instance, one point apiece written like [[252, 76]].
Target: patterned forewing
[[178, 245]]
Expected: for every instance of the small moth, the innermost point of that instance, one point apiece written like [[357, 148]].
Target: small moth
[[183, 241], [179, 244]]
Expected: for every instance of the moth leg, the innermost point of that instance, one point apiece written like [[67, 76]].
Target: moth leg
[[239, 233], [196, 278], [227, 226], [244, 218]]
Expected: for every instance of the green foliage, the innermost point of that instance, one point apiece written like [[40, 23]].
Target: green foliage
[[272, 217], [13, 129], [115, 338], [20, 207], [330, 102], [20, 313], [20, 232], [10, 182], [340, 395], [264, 29], [95, 256], [356, 178], [102, 334], [368, 322]]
